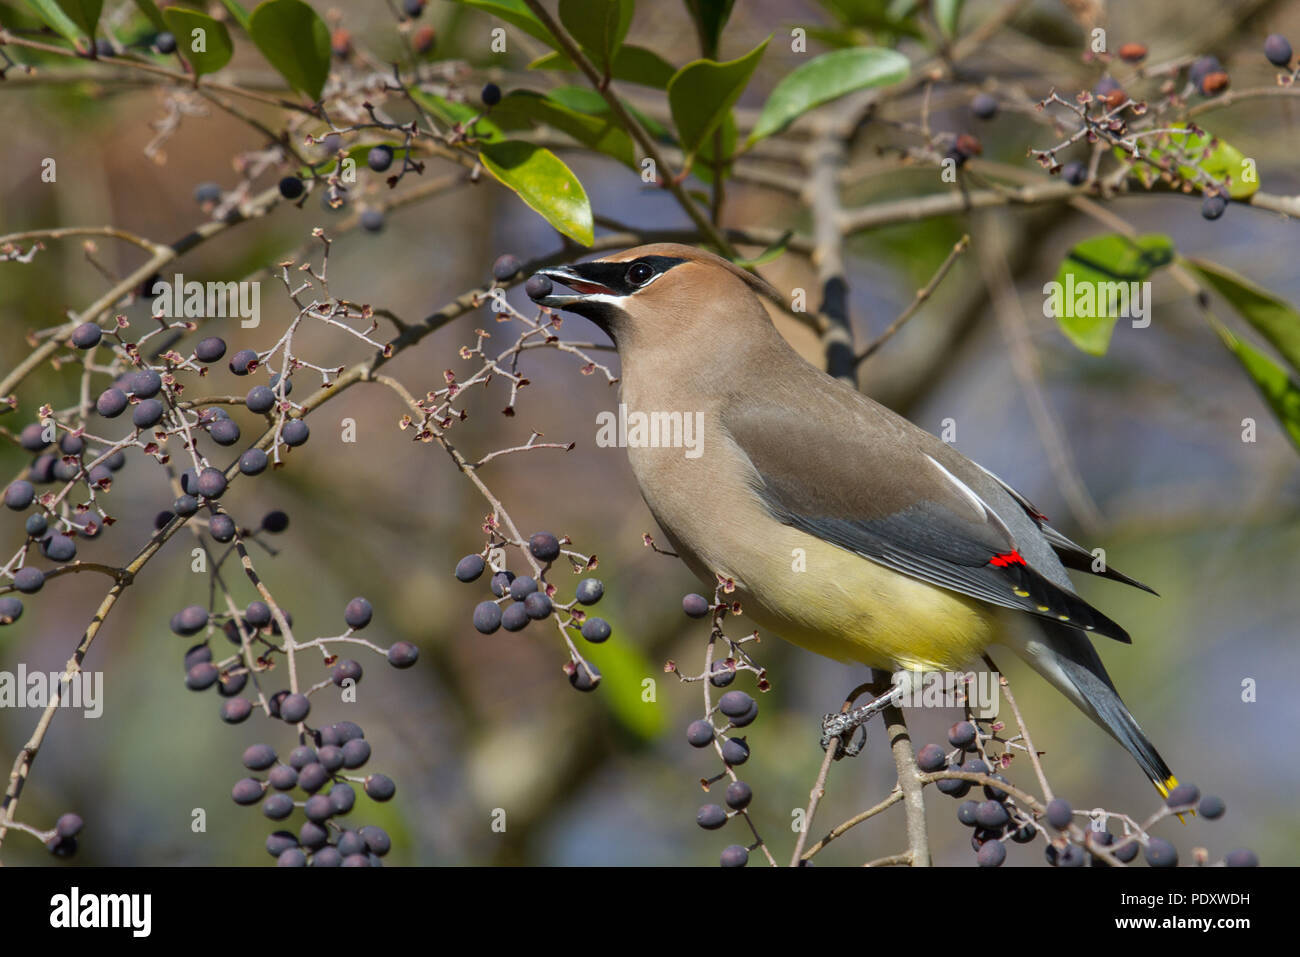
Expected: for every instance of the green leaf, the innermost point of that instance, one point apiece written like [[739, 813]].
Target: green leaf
[[239, 13], [825, 78], [543, 182], [1092, 286], [774, 251], [876, 21], [599, 26], [632, 64], [192, 29], [623, 670], [294, 40], [586, 100], [701, 93], [710, 16], [154, 15], [583, 99], [1189, 152], [515, 13], [600, 134], [837, 37], [449, 113], [702, 168], [1273, 318], [1280, 390], [71, 19], [358, 153], [946, 15]]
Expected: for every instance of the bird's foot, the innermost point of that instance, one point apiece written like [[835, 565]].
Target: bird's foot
[[835, 728], [839, 727]]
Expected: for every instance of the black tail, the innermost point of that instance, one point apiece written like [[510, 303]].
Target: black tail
[[1066, 658]]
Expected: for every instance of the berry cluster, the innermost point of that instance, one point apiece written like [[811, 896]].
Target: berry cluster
[[66, 491], [1007, 814], [1143, 132], [521, 599], [734, 710], [78, 451], [318, 772], [317, 768]]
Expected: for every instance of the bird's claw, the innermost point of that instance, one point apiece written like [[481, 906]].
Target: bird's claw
[[839, 728]]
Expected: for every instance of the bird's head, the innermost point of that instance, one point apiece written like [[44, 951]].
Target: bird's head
[[660, 290]]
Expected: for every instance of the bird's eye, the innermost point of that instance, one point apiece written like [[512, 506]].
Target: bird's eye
[[639, 274]]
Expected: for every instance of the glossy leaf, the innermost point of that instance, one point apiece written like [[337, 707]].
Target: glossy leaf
[[581, 98], [826, 78], [873, 22], [489, 129], [515, 13], [154, 15], [71, 19], [193, 29], [1189, 152], [1272, 317], [701, 93], [543, 182], [1275, 384], [1093, 286], [597, 133], [586, 100], [946, 14], [599, 26], [239, 13], [632, 64], [623, 670], [774, 251], [295, 40], [702, 169], [710, 16], [358, 153]]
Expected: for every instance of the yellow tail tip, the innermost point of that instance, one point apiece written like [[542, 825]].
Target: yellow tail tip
[[1167, 785]]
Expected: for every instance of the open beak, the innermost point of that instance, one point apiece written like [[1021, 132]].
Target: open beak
[[576, 277]]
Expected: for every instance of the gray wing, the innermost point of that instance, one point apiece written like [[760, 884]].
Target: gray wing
[[1072, 554], [854, 474]]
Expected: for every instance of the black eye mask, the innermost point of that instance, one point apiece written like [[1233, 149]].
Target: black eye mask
[[613, 277]]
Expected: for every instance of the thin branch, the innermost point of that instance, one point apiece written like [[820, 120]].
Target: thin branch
[[819, 787], [918, 841], [1024, 730], [1024, 363], [634, 127], [924, 293]]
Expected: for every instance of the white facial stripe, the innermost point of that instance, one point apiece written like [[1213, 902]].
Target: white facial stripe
[[606, 297], [651, 281]]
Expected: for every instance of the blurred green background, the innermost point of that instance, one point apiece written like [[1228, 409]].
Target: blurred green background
[[490, 722]]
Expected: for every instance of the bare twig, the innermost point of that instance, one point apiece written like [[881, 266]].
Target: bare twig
[[922, 294]]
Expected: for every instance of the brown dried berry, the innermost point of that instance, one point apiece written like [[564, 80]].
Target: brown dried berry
[[424, 39], [1133, 52], [341, 43], [1115, 99], [1214, 83], [968, 145]]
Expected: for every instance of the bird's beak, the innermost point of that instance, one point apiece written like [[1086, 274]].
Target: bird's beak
[[581, 278]]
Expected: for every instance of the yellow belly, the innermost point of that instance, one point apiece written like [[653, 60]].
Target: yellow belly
[[808, 591], [851, 609]]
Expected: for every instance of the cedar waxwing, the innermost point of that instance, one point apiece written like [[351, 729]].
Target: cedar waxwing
[[914, 554]]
